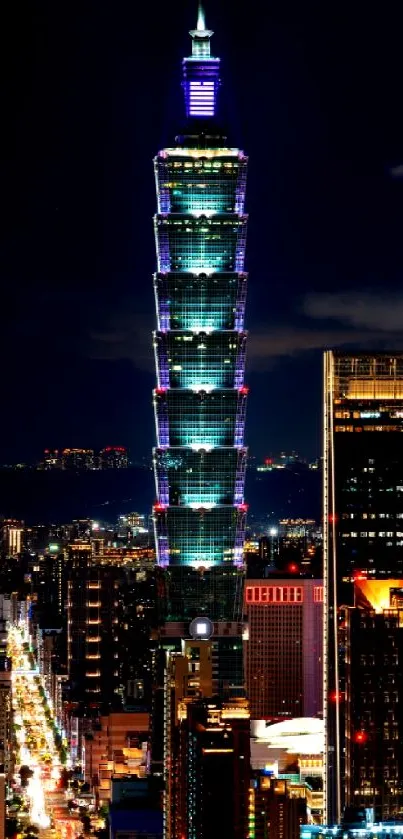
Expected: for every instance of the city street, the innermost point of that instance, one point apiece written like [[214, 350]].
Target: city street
[[41, 750]]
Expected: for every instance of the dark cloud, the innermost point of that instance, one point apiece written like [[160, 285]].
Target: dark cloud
[[373, 311], [364, 320], [396, 171], [125, 333], [267, 346]]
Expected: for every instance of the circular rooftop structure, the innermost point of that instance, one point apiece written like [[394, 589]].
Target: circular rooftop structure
[[301, 735]]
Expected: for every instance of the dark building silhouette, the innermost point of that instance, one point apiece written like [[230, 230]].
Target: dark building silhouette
[[211, 760], [373, 698], [363, 538], [93, 627]]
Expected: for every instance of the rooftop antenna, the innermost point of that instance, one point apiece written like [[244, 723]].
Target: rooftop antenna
[[201, 23]]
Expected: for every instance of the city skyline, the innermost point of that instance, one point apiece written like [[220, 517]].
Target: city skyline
[[78, 236], [171, 668]]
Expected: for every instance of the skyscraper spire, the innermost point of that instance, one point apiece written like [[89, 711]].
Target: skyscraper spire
[[201, 23], [201, 72]]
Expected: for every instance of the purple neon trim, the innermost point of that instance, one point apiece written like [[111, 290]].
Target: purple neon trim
[[240, 421], [163, 484], [163, 192], [240, 477], [240, 364], [240, 189], [162, 303], [163, 255], [240, 304], [200, 82], [163, 366], [239, 538], [161, 410], [161, 539], [163, 315]]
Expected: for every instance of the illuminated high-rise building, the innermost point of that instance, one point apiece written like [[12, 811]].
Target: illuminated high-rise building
[[372, 634], [276, 807], [94, 651], [283, 650], [113, 457], [11, 533], [200, 343], [209, 771], [188, 678], [78, 459], [363, 540]]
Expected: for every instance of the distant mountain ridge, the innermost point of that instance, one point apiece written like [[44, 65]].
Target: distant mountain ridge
[[58, 497]]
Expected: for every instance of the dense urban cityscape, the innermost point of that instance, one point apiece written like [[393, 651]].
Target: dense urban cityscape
[[225, 658]]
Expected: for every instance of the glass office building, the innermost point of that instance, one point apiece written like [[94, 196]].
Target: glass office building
[[200, 344], [363, 542]]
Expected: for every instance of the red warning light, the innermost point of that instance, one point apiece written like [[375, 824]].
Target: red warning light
[[360, 575], [244, 390], [360, 737], [159, 508], [336, 696], [293, 568]]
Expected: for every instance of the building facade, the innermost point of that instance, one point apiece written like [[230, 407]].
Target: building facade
[[6, 753], [11, 535], [283, 647], [200, 342], [373, 645], [115, 746], [188, 677], [94, 609], [211, 767], [78, 460], [363, 529], [276, 808], [113, 457]]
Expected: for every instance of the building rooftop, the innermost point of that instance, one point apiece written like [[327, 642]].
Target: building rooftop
[[301, 735]]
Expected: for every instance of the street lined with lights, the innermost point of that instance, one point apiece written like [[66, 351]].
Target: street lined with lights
[[40, 747]]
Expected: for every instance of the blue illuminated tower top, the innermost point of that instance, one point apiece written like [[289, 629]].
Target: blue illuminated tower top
[[201, 73]]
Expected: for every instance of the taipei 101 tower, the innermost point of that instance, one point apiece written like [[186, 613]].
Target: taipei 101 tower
[[200, 397]]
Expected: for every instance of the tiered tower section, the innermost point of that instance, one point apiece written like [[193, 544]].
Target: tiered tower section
[[200, 342]]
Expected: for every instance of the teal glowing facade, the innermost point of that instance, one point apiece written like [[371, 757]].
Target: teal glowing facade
[[200, 342]]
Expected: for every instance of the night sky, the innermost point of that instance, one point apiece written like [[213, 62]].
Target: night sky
[[90, 91]]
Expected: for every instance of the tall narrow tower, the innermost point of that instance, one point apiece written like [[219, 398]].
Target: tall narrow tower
[[200, 343]]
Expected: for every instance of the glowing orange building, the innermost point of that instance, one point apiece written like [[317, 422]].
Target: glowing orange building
[[372, 636]]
